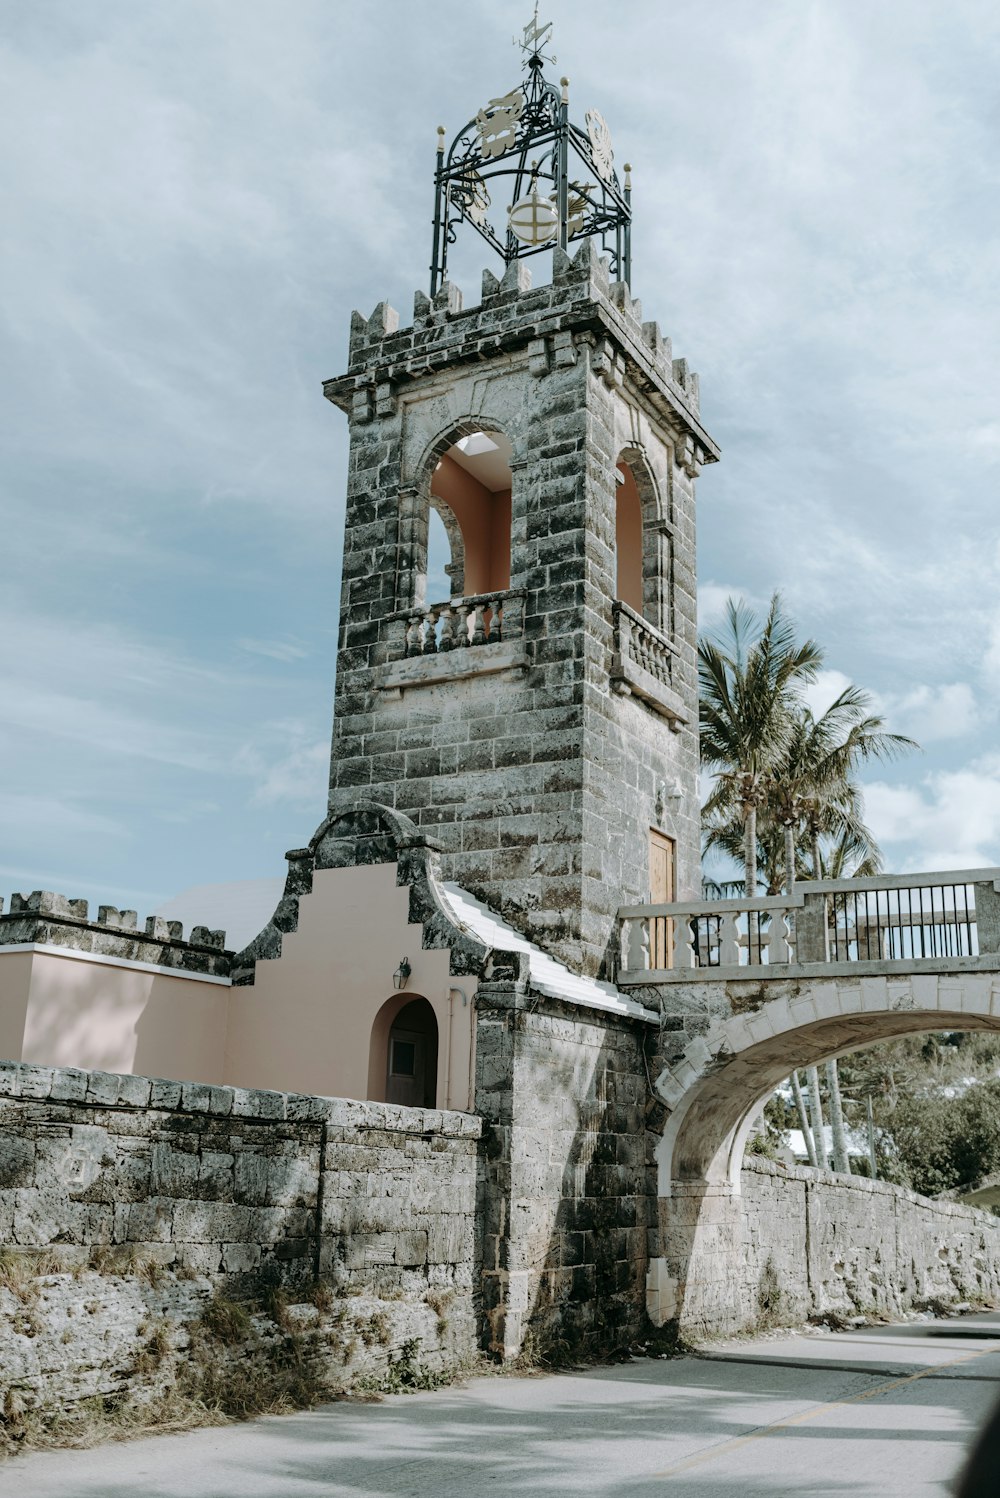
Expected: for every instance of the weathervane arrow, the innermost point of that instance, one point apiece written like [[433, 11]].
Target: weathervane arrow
[[535, 36]]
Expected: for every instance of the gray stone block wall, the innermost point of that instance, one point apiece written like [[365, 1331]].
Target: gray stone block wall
[[226, 1191], [569, 1198], [815, 1243], [540, 781]]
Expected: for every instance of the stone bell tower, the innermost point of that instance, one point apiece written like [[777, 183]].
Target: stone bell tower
[[538, 717]]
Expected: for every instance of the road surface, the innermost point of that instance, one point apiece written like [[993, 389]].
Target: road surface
[[880, 1411]]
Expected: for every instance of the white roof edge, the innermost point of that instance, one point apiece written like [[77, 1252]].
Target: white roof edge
[[49, 948], [548, 975]]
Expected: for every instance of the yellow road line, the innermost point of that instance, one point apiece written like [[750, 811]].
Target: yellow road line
[[813, 1414]]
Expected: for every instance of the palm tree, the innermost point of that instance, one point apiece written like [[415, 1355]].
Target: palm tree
[[807, 1136], [725, 834], [747, 678], [813, 788], [773, 756]]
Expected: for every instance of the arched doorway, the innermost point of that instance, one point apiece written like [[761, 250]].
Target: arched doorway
[[404, 1053]]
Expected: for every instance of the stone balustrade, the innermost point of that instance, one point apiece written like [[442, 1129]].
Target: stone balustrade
[[463, 623], [890, 921], [643, 662]]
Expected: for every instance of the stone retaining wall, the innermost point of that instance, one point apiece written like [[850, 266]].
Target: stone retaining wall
[[815, 1242], [132, 1208]]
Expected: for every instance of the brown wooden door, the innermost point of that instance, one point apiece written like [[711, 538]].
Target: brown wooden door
[[661, 892]]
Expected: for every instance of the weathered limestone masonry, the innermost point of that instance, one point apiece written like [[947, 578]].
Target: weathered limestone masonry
[[45, 919], [568, 1200], [814, 1243], [724, 1045], [539, 760], [157, 1196]]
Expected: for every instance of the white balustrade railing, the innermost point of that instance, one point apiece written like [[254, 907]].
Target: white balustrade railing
[[716, 933], [891, 918], [463, 623]]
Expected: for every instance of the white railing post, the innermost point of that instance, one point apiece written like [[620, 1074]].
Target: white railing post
[[729, 940]]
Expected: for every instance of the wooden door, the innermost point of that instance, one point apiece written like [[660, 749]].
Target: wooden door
[[661, 892], [405, 1082]]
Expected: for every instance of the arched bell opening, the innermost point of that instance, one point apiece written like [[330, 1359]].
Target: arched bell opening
[[628, 540], [445, 552], [642, 543], [470, 491], [403, 1053]]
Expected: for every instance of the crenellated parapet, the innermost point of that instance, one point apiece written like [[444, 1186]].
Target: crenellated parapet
[[47, 919], [580, 309]]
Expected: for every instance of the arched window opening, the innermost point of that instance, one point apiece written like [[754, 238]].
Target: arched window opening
[[403, 1053], [628, 540], [472, 482], [440, 558]]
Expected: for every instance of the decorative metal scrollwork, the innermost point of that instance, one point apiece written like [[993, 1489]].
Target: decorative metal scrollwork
[[507, 174]]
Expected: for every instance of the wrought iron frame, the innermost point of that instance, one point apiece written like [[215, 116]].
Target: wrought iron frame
[[542, 140]]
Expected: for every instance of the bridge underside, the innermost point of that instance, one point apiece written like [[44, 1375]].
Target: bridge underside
[[762, 1031]]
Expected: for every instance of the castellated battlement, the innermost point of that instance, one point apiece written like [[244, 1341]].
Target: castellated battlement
[[47, 919], [581, 306]]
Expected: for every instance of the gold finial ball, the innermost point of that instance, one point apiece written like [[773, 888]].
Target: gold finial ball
[[564, 82], [442, 130], [627, 167]]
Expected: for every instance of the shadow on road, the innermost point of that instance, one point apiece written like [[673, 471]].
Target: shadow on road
[[696, 1426]]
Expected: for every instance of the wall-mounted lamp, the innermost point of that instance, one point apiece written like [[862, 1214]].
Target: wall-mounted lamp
[[401, 974], [668, 795]]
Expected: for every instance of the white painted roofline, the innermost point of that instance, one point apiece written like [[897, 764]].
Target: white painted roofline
[[547, 975], [129, 962]]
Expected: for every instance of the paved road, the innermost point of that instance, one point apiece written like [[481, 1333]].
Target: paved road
[[876, 1412]]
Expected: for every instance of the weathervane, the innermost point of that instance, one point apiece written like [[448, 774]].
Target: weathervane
[[534, 37], [507, 173]]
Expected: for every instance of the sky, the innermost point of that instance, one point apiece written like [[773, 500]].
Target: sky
[[198, 193]]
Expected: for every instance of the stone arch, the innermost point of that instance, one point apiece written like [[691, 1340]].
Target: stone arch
[[647, 575], [470, 538], [456, 541], [714, 1089]]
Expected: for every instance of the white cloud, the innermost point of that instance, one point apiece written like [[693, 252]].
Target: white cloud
[[986, 437], [950, 819], [713, 599], [990, 665], [932, 713], [299, 778], [824, 691], [275, 650]]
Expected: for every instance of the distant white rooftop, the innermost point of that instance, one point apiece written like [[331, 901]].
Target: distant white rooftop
[[241, 909], [857, 1144]]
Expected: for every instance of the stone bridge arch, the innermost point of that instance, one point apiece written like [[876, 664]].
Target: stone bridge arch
[[713, 1090]]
